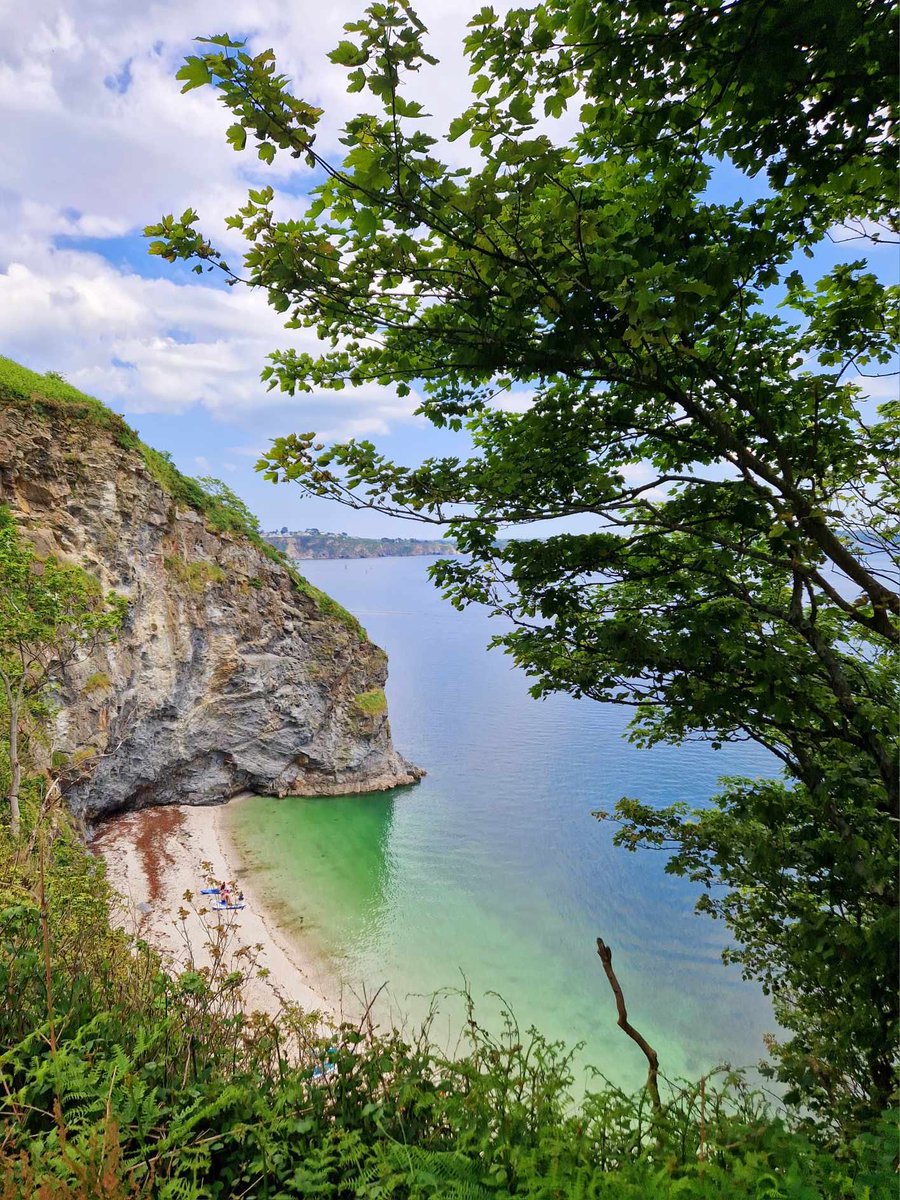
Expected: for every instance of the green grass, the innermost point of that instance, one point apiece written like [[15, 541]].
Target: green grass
[[194, 575], [50, 397], [373, 703], [324, 603], [98, 682]]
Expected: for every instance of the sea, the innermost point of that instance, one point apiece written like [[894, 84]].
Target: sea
[[492, 877]]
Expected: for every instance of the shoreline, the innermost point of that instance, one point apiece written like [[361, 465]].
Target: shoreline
[[155, 855]]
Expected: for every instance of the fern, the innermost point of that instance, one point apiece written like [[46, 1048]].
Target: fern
[[440, 1173], [165, 1092]]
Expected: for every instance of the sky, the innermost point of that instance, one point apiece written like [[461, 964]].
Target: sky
[[99, 142]]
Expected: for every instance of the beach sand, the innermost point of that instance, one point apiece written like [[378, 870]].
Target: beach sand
[[154, 856]]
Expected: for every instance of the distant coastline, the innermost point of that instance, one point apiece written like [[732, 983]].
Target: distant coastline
[[313, 543]]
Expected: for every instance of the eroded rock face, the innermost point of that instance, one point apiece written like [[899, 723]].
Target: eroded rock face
[[226, 676]]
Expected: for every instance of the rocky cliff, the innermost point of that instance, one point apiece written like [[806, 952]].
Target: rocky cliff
[[229, 673]]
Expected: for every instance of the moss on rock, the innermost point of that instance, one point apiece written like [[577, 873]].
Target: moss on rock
[[372, 703]]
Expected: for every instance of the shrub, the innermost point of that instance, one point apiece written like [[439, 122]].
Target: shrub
[[372, 703], [196, 576], [98, 682]]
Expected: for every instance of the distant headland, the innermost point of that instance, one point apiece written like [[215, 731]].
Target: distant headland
[[313, 543]]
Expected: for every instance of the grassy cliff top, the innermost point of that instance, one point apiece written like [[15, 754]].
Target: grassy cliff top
[[50, 397]]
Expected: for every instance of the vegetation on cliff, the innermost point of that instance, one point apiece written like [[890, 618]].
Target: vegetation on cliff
[[49, 613], [372, 703], [122, 1080], [51, 399]]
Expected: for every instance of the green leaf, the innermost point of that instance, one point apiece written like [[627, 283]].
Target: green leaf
[[520, 108], [236, 136], [195, 72], [346, 54], [365, 222], [458, 126]]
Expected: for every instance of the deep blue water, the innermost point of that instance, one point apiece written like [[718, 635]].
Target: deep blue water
[[493, 868]]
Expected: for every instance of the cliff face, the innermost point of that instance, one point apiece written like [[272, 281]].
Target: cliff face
[[227, 673]]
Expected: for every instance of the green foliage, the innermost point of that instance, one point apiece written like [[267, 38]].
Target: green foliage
[[196, 576], [230, 510], [99, 681], [49, 613], [223, 509], [679, 384], [50, 396], [372, 703], [122, 1080], [182, 488], [325, 604]]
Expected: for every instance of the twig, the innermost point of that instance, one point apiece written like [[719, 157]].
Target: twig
[[702, 1154], [653, 1069], [48, 967]]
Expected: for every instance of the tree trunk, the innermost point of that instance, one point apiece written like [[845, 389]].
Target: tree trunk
[[15, 769]]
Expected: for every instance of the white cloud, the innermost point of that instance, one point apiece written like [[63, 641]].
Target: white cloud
[[156, 346], [99, 141], [519, 401], [881, 384]]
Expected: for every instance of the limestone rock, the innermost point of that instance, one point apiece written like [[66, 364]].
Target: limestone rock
[[227, 674]]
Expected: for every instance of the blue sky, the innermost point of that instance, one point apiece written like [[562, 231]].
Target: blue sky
[[99, 142]]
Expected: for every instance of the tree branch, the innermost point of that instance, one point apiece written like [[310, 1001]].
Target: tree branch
[[652, 1059]]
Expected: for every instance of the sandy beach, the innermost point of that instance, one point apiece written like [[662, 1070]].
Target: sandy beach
[[156, 855]]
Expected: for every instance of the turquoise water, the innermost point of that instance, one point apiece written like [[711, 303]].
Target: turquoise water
[[493, 868]]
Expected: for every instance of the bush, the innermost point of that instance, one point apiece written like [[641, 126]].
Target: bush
[[99, 681]]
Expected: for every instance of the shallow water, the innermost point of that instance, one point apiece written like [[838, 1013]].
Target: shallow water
[[493, 868]]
